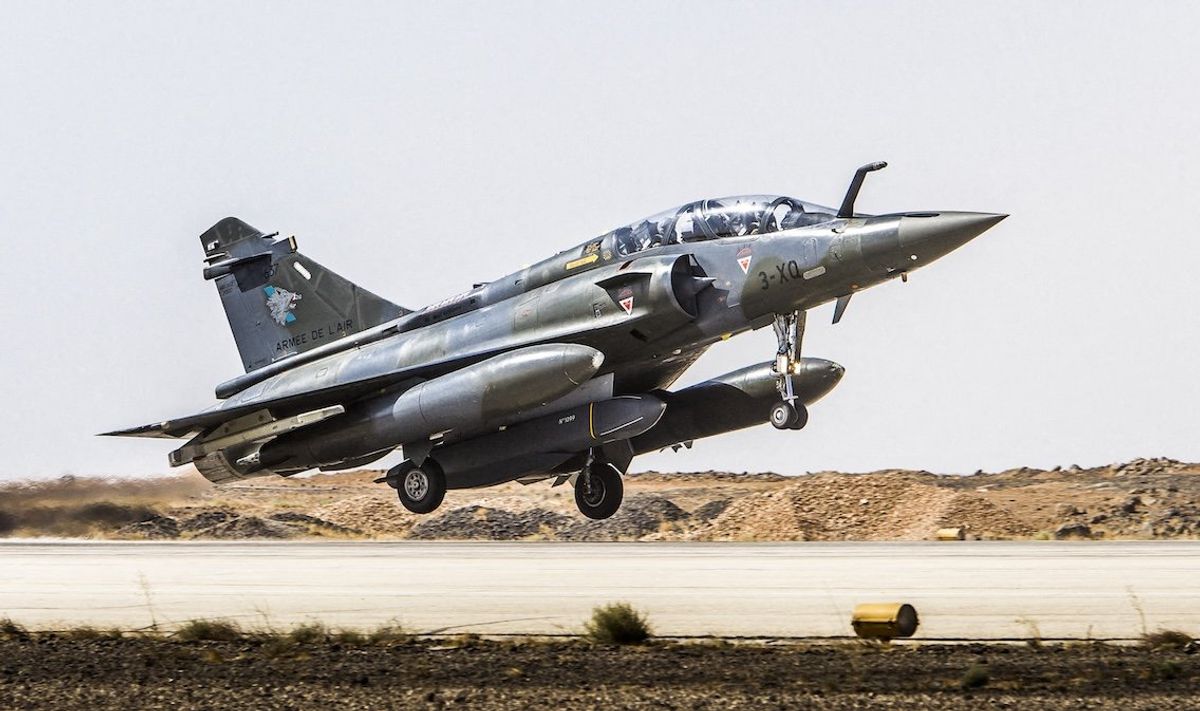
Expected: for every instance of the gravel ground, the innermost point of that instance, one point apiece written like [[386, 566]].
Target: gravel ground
[[49, 671], [1141, 499]]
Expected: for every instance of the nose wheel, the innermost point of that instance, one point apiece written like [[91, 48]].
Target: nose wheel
[[789, 416]]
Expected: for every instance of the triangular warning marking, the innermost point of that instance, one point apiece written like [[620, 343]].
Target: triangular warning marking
[[744, 263], [627, 304]]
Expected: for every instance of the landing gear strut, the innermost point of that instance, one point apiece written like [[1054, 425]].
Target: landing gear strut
[[598, 489], [789, 413]]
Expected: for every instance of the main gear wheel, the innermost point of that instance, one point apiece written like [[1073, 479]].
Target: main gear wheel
[[599, 491], [421, 487]]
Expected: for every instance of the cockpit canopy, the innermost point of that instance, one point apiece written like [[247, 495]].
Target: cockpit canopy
[[717, 218]]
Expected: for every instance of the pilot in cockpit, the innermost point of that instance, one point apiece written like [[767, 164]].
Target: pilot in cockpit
[[625, 241], [744, 221], [788, 214]]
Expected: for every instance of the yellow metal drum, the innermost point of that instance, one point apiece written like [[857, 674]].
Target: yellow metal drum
[[884, 620]]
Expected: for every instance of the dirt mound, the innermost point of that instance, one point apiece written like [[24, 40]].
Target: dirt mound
[[312, 522], [871, 507], [1145, 513], [156, 528], [639, 515], [223, 523], [206, 519], [711, 509], [1073, 530], [833, 507], [710, 475], [1146, 467], [1143, 498], [245, 527], [483, 523], [981, 518], [377, 513]]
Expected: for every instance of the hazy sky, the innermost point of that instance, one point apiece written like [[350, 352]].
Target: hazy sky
[[417, 148]]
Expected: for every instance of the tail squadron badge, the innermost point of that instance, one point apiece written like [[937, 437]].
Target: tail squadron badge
[[281, 302]]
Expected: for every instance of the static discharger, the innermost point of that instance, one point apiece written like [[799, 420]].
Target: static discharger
[[884, 620]]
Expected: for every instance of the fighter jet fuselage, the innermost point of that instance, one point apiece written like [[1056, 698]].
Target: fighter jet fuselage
[[558, 371]]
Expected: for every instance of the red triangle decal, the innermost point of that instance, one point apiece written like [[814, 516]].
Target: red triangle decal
[[744, 263], [627, 304]]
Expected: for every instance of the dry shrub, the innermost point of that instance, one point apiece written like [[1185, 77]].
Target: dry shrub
[[310, 633], [975, 677], [388, 635], [209, 631], [353, 638], [276, 646], [1166, 639], [12, 630], [1166, 671], [617, 623], [87, 633]]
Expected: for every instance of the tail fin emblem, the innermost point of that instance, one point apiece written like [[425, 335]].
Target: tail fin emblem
[[281, 302]]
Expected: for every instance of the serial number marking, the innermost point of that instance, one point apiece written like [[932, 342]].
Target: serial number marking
[[784, 273]]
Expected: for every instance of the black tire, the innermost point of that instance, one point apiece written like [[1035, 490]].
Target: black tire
[[421, 488], [783, 415], [605, 495], [801, 418]]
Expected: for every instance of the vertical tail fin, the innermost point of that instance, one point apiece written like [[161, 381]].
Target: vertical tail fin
[[279, 302]]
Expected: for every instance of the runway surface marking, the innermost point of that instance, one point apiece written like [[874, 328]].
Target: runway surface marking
[[976, 589]]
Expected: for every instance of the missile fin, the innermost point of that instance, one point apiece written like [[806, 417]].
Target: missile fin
[[839, 309]]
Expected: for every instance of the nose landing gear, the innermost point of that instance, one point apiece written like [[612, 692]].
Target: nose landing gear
[[789, 416], [789, 413]]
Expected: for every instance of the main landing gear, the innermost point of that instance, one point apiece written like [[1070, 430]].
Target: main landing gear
[[421, 488], [789, 413], [598, 489]]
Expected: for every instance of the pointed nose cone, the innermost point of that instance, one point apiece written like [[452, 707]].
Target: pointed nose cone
[[927, 235]]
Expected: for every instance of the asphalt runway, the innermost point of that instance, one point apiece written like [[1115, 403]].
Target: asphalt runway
[[979, 590]]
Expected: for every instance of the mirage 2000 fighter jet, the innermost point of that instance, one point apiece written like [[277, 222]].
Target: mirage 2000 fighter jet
[[556, 372]]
